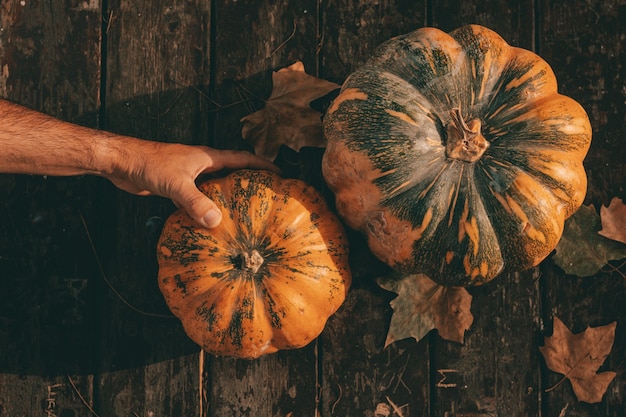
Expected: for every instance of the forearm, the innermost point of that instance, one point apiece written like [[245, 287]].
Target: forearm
[[34, 143]]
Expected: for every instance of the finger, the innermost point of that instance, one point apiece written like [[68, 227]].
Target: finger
[[199, 207], [240, 159]]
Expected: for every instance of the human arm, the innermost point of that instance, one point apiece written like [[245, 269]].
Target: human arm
[[35, 143]]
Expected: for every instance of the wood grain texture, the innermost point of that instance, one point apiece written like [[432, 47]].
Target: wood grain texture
[[70, 395], [49, 61], [50, 57], [495, 372], [157, 65], [352, 29], [282, 384], [276, 34], [585, 45], [360, 375], [169, 387], [363, 377]]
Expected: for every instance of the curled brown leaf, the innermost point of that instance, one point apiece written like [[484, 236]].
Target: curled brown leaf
[[288, 118], [423, 305]]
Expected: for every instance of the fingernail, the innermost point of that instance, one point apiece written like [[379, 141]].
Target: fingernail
[[212, 218]]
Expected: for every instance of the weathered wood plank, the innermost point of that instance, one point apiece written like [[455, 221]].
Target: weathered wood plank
[[584, 41], [359, 375], [363, 377], [352, 29], [496, 370], [281, 384], [32, 395], [50, 58], [276, 35], [167, 387], [158, 65], [253, 38], [49, 61]]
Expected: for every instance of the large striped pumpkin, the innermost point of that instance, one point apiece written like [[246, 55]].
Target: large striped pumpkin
[[267, 278], [455, 155]]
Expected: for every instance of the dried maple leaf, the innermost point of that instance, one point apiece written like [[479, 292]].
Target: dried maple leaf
[[579, 356], [581, 250], [288, 118], [613, 220], [423, 305]]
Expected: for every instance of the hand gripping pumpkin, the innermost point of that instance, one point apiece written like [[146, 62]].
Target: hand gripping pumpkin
[[267, 278], [455, 155]]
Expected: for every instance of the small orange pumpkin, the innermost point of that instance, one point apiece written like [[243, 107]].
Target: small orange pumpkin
[[267, 278], [455, 155]]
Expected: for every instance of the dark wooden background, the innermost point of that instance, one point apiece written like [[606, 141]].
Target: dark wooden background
[[187, 71]]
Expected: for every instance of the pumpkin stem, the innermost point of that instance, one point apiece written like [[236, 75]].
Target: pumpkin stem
[[464, 139], [251, 261]]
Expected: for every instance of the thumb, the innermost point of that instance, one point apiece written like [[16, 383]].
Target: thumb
[[200, 208]]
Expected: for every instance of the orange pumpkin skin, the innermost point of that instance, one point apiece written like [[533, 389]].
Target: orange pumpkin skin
[[455, 155], [267, 278]]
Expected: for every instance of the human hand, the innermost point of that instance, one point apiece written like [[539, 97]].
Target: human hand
[[170, 170], [37, 144]]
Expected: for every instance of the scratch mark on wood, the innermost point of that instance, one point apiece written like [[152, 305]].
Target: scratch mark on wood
[[396, 409], [80, 396], [290, 37], [51, 401], [444, 375], [201, 390], [395, 378], [332, 409], [109, 21]]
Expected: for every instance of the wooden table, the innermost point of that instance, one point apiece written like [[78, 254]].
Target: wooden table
[[187, 71]]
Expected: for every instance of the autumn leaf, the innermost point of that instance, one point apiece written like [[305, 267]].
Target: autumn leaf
[[423, 305], [581, 250], [613, 220], [288, 118], [579, 356]]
